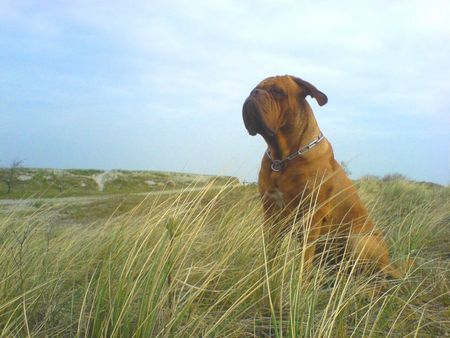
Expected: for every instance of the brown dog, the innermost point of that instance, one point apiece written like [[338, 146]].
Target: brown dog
[[299, 162]]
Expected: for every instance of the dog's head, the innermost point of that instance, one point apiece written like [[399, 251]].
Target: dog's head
[[275, 102]]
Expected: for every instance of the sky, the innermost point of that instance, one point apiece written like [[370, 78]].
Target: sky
[[159, 85]]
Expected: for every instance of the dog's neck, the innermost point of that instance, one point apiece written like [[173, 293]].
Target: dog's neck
[[294, 134]]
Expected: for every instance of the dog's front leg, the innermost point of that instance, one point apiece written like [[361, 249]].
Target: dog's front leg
[[309, 247], [311, 233], [274, 218]]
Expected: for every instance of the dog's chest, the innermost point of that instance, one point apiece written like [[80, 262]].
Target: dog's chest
[[276, 196], [283, 190]]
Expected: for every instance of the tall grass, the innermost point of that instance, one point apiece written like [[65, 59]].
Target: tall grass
[[198, 264]]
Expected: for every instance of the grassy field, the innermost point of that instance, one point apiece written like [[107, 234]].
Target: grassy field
[[196, 264], [32, 182]]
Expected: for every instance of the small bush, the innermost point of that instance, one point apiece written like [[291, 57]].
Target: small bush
[[394, 177]]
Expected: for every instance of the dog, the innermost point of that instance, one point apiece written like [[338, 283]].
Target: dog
[[299, 162]]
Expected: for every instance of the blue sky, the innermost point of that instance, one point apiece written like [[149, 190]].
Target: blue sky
[[159, 85]]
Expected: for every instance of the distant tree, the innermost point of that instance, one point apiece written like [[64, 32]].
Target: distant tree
[[10, 175], [345, 167]]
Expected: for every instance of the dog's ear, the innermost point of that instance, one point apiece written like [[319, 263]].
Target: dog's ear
[[309, 89]]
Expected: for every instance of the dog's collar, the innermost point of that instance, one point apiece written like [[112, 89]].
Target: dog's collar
[[277, 165]]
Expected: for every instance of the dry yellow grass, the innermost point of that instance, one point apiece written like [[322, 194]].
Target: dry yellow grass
[[197, 264]]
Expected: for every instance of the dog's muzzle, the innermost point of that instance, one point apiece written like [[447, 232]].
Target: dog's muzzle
[[253, 120]]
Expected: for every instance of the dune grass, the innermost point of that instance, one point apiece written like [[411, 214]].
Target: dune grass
[[197, 264], [51, 183]]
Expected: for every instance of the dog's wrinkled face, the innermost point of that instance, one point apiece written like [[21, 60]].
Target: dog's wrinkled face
[[270, 104]]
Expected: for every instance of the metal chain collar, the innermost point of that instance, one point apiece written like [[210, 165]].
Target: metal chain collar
[[276, 165]]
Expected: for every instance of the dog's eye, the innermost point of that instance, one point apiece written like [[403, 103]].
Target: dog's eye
[[277, 92]]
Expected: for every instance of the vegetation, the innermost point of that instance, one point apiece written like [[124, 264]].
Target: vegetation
[[196, 264], [9, 175], [21, 182]]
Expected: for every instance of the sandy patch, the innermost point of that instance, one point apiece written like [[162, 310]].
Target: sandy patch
[[104, 177]]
